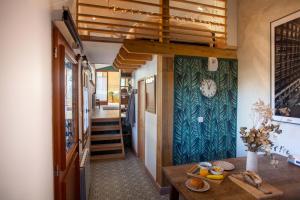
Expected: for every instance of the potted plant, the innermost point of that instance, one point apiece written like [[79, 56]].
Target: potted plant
[[258, 138]]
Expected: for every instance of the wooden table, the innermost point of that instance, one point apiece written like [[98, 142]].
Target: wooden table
[[286, 178]]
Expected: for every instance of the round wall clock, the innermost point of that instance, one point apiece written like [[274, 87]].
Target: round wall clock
[[208, 88]]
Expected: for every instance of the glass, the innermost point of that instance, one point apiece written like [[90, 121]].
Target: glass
[[113, 89], [101, 86], [69, 119]]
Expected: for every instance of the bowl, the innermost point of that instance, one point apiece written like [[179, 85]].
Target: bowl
[[207, 165], [216, 170]]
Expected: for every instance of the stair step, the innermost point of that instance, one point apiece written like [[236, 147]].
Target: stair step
[[106, 128], [105, 123], [108, 156], [106, 147], [114, 132], [106, 120], [105, 137]]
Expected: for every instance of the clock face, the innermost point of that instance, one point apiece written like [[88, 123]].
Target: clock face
[[208, 88]]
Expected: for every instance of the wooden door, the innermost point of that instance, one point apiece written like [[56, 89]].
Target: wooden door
[[141, 119], [65, 120]]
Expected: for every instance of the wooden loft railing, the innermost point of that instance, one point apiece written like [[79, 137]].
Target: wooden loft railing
[[158, 20], [156, 27]]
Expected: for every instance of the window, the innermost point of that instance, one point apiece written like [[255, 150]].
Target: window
[[101, 86], [69, 114]]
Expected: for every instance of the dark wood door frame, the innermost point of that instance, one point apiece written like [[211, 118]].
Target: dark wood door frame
[[66, 166], [141, 119]]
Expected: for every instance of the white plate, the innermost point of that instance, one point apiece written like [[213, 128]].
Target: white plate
[[205, 187], [225, 165]]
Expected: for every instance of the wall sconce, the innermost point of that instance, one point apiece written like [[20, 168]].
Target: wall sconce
[[150, 79], [84, 61]]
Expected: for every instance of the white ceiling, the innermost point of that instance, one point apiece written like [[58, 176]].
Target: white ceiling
[[101, 52]]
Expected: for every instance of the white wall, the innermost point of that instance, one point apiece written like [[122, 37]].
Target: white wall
[[149, 69], [254, 19], [25, 103]]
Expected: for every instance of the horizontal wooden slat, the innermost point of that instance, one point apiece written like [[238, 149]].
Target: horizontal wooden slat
[[197, 12], [177, 49], [200, 4], [118, 9], [194, 29], [119, 25], [141, 3], [116, 31], [198, 21], [118, 19]]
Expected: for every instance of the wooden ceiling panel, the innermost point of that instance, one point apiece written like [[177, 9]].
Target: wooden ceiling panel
[[131, 61]]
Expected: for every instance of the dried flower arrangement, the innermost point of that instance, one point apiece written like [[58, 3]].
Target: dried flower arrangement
[[258, 138]]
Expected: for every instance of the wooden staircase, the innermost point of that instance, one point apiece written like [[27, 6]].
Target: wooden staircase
[[107, 139]]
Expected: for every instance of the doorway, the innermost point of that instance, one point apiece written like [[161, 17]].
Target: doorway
[[65, 120], [141, 119]]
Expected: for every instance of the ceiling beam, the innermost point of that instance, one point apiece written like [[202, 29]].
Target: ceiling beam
[[122, 66], [134, 56], [138, 46], [101, 39], [130, 62]]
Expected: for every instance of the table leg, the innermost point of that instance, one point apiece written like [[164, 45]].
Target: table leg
[[174, 194]]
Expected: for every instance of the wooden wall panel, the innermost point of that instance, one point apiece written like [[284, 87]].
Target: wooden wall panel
[[165, 91]]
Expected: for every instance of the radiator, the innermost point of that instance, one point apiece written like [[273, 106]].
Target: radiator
[[85, 175]]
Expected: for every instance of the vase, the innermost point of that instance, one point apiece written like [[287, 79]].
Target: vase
[[251, 164]]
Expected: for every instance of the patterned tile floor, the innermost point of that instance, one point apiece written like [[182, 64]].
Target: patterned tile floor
[[122, 180]]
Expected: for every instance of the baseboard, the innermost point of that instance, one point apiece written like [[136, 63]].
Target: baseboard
[[164, 190]]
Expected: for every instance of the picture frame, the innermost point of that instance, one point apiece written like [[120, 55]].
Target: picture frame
[[151, 94], [285, 68]]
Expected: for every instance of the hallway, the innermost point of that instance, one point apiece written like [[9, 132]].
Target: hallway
[[122, 180]]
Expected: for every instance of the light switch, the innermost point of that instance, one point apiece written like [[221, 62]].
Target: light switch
[[200, 119]]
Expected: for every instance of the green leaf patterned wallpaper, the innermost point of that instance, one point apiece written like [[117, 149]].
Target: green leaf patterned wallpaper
[[215, 138]]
